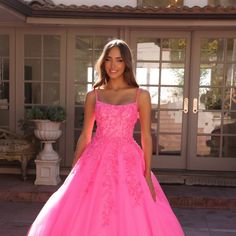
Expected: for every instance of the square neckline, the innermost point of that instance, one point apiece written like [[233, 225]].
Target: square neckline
[[119, 105]]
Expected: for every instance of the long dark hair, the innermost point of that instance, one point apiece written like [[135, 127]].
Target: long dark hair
[[125, 52]]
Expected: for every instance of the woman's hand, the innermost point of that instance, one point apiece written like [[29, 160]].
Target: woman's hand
[[151, 187]]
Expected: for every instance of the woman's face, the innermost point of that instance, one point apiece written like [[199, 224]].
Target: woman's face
[[114, 64]]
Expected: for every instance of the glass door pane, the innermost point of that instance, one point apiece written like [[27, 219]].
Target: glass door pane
[[42, 69], [215, 103], [161, 64], [87, 51], [4, 81]]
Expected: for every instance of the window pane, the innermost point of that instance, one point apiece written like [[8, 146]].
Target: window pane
[[229, 147], [231, 50], [51, 70], [4, 91], [4, 114], [229, 124], [173, 49], [84, 48], [51, 94], [33, 45], [147, 73], [32, 69], [208, 146], [210, 98], [171, 97], [172, 74], [170, 121], [170, 144], [79, 117], [208, 122], [231, 75], [212, 50], [148, 49], [80, 93], [51, 46], [230, 99], [84, 71], [4, 46], [4, 69], [211, 74], [32, 93]]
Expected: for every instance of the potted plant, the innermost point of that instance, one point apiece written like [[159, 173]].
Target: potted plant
[[48, 121], [49, 116]]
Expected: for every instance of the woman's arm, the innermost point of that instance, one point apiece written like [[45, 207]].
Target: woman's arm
[[144, 104], [86, 134]]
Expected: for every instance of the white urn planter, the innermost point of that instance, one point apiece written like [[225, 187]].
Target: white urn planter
[[47, 161]]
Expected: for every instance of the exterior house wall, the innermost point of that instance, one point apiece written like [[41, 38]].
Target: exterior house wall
[[131, 30]]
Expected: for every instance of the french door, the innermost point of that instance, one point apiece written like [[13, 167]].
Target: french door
[[192, 81], [212, 129], [162, 67]]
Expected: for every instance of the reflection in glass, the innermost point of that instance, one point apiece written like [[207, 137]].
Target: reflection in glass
[[79, 117], [171, 97], [231, 75], [84, 48], [231, 50], [97, 54], [229, 123], [212, 49], [51, 70], [32, 69], [210, 98], [51, 46], [170, 121], [208, 146], [172, 74], [4, 45], [51, 94], [229, 147], [99, 43], [148, 49], [4, 69], [211, 74], [32, 93], [230, 99], [4, 92], [4, 114], [153, 93], [173, 49], [84, 72], [80, 93], [208, 122], [33, 45], [147, 73], [169, 144]]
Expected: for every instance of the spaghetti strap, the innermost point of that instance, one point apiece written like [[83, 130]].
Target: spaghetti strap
[[96, 94], [137, 95]]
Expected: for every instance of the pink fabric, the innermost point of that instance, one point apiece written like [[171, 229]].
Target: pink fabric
[[106, 193]]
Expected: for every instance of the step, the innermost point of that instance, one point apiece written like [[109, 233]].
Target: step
[[12, 188]]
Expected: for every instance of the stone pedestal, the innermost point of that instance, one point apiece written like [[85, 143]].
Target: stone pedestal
[[47, 172]]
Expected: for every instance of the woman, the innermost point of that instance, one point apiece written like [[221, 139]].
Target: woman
[[111, 190]]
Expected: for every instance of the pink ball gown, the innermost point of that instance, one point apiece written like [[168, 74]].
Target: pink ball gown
[[106, 193]]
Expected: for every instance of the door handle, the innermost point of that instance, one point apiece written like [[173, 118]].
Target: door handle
[[195, 106], [185, 110]]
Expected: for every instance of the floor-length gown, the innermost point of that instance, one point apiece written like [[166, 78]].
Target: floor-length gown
[[106, 193]]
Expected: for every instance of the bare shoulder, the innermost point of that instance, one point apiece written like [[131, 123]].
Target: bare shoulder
[[144, 96], [91, 96]]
